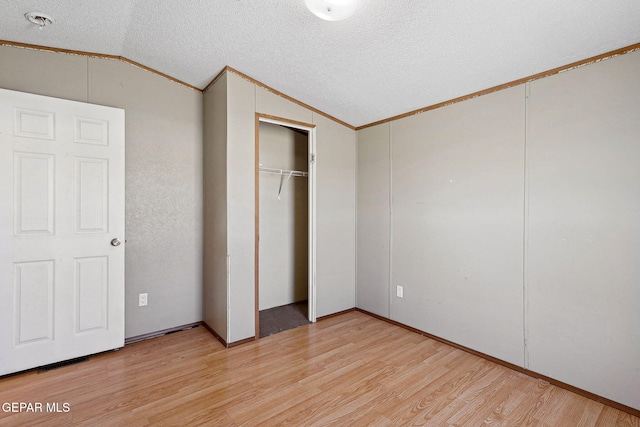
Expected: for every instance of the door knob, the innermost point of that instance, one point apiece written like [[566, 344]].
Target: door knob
[[116, 242]]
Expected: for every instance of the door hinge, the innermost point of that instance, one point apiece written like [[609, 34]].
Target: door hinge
[[312, 158]]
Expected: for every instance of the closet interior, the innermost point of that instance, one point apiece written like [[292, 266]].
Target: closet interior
[[283, 228]]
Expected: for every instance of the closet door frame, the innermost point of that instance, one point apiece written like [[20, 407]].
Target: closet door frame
[[311, 148]]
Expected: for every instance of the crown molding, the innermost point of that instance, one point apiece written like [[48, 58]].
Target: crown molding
[[590, 60]]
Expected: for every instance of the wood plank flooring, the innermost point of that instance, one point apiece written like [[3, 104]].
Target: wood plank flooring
[[351, 369]]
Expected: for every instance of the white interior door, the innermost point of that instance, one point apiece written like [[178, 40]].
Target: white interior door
[[61, 205]]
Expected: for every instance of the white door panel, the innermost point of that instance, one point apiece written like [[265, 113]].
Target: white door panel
[[61, 204]]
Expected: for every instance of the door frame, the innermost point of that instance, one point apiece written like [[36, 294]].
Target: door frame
[[311, 152]]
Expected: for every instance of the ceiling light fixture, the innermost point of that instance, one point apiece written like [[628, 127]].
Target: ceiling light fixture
[[40, 19], [332, 10]]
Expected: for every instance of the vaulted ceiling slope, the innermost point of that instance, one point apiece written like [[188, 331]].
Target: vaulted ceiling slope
[[389, 58]]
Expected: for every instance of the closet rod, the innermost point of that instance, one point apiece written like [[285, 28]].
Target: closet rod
[[283, 172]]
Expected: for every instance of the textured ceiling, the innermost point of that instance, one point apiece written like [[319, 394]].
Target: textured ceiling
[[389, 58]]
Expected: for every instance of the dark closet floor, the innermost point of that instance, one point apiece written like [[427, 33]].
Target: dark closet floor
[[278, 319]]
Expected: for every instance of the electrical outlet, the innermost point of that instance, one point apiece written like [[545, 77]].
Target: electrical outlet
[[399, 291], [143, 299]]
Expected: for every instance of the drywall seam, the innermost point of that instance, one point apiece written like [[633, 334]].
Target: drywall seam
[[228, 297], [390, 280], [525, 233], [355, 219]]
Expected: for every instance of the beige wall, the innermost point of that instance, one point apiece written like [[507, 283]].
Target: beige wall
[[284, 218], [456, 222], [214, 282], [514, 225], [374, 228], [241, 159], [335, 216], [163, 175], [335, 206], [583, 227]]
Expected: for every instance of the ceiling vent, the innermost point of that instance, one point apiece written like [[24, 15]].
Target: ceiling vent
[[40, 19]]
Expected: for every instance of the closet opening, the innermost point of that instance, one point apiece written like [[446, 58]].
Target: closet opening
[[285, 225]]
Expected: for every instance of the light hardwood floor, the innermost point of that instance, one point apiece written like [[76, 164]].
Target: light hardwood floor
[[351, 369]]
